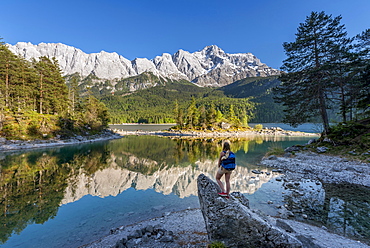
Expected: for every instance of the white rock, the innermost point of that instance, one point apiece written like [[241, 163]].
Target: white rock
[[210, 66]]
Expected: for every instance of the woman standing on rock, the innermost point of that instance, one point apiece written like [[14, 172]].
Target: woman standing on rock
[[226, 164]]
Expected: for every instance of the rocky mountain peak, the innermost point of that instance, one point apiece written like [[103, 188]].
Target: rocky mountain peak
[[210, 66], [213, 50]]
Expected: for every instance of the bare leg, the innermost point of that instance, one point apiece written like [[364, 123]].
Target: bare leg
[[218, 179], [227, 179]]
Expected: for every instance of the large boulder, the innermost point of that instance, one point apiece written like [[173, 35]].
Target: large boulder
[[230, 220]]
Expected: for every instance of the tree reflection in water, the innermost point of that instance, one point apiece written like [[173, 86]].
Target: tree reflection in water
[[343, 208], [32, 184], [35, 184]]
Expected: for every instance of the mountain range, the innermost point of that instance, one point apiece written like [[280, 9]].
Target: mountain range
[[210, 67]]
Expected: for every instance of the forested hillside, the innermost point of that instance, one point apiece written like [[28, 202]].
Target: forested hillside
[[158, 104], [251, 99], [35, 101], [259, 89]]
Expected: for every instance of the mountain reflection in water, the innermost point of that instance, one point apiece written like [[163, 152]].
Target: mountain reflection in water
[[36, 185], [178, 180]]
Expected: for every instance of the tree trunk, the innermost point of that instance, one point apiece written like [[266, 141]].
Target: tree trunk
[[41, 96], [324, 114], [344, 105], [7, 86]]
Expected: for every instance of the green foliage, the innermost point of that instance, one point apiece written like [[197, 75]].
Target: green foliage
[[29, 125], [361, 69], [192, 104], [36, 103], [216, 244], [259, 90], [258, 126], [51, 90], [137, 82], [324, 72], [33, 184], [351, 133], [149, 99], [350, 139], [275, 149]]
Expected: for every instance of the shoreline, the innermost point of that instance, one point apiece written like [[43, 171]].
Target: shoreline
[[325, 168], [215, 134], [21, 145], [189, 225]]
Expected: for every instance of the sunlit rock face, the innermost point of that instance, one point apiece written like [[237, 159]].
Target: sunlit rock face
[[210, 66], [233, 223], [181, 181]]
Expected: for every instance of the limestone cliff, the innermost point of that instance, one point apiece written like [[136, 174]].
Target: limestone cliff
[[210, 66]]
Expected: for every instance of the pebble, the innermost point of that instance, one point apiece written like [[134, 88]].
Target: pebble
[[322, 169]]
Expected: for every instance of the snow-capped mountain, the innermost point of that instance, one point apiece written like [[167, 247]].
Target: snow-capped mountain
[[208, 67]]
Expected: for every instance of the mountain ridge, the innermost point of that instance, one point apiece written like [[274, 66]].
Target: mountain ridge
[[210, 66]]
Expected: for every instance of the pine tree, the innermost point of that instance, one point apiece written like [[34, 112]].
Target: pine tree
[[202, 117], [219, 116], [306, 86], [52, 91], [244, 119], [211, 116], [95, 114], [192, 114], [362, 73], [233, 119], [74, 96], [8, 75], [179, 115]]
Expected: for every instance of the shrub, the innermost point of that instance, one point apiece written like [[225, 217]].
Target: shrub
[[275, 149], [217, 244], [258, 126]]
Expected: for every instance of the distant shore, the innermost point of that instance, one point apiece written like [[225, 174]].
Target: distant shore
[[14, 145], [184, 133]]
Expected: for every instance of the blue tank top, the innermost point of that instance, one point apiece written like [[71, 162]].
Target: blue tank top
[[229, 162]]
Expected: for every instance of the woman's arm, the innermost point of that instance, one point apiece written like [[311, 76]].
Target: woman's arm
[[219, 159]]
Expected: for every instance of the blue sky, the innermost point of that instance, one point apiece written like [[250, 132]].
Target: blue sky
[[147, 28]]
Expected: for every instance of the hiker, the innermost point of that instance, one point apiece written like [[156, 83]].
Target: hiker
[[226, 164]]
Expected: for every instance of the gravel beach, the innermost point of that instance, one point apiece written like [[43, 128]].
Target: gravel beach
[[188, 229], [327, 169]]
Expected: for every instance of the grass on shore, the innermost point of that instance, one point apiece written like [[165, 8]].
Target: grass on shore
[[351, 140], [275, 149]]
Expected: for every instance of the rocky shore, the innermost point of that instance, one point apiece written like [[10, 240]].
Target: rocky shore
[[188, 229], [176, 229], [326, 169], [214, 134], [12, 145]]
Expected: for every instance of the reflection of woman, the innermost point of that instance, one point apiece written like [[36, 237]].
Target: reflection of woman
[[222, 171]]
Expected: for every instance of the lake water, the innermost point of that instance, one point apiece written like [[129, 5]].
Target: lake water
[[73, 195]]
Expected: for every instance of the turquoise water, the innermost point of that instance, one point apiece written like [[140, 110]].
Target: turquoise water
[[70, 196]]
